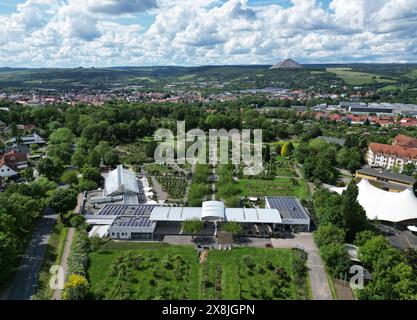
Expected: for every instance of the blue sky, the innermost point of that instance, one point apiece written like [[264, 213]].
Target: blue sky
[[71, 33]]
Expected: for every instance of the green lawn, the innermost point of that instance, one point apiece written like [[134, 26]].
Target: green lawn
[[277, 187], [186, 77], [389, 88], [152, 80], [358, 78], [161, 271]]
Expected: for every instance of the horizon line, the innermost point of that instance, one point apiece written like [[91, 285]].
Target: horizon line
[[208, 65]]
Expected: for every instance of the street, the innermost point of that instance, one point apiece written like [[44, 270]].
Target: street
[[25, 281]]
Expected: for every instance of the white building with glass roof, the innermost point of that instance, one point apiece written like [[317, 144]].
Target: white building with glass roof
[[141, 221]]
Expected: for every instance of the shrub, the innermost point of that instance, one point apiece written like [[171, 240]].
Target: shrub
[[77, 220], [336, 259], [329, 234], [76, 288], [248, 261], [78, 258]]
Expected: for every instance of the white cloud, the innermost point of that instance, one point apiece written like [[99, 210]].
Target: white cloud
[[116, 7], [193, 32]]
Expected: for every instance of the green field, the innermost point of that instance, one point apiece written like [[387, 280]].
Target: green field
[[277, 187], [389, 88], [186, 77], [358, 78], [412, 74], [147, 271]]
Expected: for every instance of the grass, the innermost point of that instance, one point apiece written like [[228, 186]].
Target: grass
[[389, 88], [309, 289], [358, 78], [283, 172], [53, 256], [332, 288], [232, 282], [278, 187], [152, 80], [412, 74], [186, 77]]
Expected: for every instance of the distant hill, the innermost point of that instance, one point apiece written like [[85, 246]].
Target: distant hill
[[287, 64]]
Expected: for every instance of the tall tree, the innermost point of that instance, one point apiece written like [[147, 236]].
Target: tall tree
[[63, 200], [354, 216]]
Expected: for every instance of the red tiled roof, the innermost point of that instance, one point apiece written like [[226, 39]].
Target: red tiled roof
[[336, 117], [14, 156], [11, 158], [405, 141], [394, 150]]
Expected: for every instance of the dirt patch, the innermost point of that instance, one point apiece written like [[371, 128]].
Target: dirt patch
[[343, 290], [203, 256]]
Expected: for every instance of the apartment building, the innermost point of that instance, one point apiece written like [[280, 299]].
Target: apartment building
[[402, 151]]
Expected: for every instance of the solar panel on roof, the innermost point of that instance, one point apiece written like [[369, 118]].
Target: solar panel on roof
[[287, 207], [120, 209]]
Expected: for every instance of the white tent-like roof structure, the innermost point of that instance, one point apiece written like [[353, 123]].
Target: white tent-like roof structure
[[412, 228], [384, 205], [215, 211], [121, 181]]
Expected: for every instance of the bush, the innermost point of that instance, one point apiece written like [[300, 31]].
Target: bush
[[363, 237], [91, 174], [78, 258], [69, 177], [87, 185], [76, 288], [336, 259], [77, 220], [96, 242], [249, 261], [329, 234]]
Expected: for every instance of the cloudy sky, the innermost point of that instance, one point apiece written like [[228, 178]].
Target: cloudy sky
[[70, 33]]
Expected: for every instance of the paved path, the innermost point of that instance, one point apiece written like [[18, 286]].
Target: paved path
[[25, 281], [57, 295], [213, 185], [162, 195], [318, 276]]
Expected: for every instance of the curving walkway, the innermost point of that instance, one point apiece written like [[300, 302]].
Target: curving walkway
[[57, 294], [318, 277]]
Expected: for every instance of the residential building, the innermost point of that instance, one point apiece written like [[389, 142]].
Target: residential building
[[401, 152], [12, 162], [405, 141], [389, 181], [28, 140]]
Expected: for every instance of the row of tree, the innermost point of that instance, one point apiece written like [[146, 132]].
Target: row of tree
[[21, 206]]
